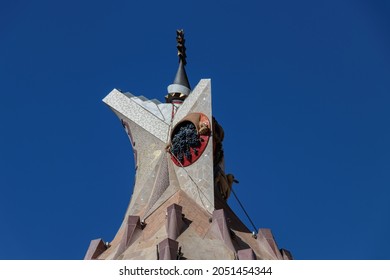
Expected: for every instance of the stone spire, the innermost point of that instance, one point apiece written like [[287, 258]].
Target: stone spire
[[180, 89], [178, 208]]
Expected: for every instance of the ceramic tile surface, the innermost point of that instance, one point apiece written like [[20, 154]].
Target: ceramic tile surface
[[144, 118], [159, 183], [197, 179]]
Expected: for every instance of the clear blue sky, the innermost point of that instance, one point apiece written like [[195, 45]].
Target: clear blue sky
[[301, 88]]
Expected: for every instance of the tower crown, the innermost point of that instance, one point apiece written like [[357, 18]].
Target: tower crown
[[178, 208]]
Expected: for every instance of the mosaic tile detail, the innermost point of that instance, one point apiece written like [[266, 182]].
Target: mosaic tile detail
[[138, 114], [148, 131], [197, 180], [204, 85], [150, 151], [161, 182], [161, 110]]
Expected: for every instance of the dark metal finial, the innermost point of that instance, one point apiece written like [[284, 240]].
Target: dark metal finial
[[180, 88], [181, 49]]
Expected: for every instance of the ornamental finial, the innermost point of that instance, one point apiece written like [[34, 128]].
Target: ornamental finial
[[180, 88], [181, 48]]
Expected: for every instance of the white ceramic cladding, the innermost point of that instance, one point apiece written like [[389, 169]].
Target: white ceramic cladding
[[157, 178]]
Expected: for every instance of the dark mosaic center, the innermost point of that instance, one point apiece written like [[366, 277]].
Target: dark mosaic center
[[185, 138]]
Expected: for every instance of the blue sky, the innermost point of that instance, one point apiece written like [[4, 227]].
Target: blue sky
[[300, 87]]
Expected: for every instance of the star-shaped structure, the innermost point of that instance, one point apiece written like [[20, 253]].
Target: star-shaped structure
[[149, 124]]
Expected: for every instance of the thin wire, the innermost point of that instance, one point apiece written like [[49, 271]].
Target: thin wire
[[199, 190], [170, 125], [197, 187], [246, 213], [200, 193]]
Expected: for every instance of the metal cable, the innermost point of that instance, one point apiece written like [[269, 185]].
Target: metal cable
[[246, 213]]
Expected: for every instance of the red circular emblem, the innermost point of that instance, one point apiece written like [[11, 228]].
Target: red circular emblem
[[189, 139]]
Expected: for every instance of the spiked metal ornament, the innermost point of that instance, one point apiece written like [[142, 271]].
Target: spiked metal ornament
[[181, 48], [179, 90]]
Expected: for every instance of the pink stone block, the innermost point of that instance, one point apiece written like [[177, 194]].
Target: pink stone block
[[286, 254], [175, 222], [246, 254], [95, 249], [267, 234], [221, 229], [168, 249], [132, 225], [131, 228]]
